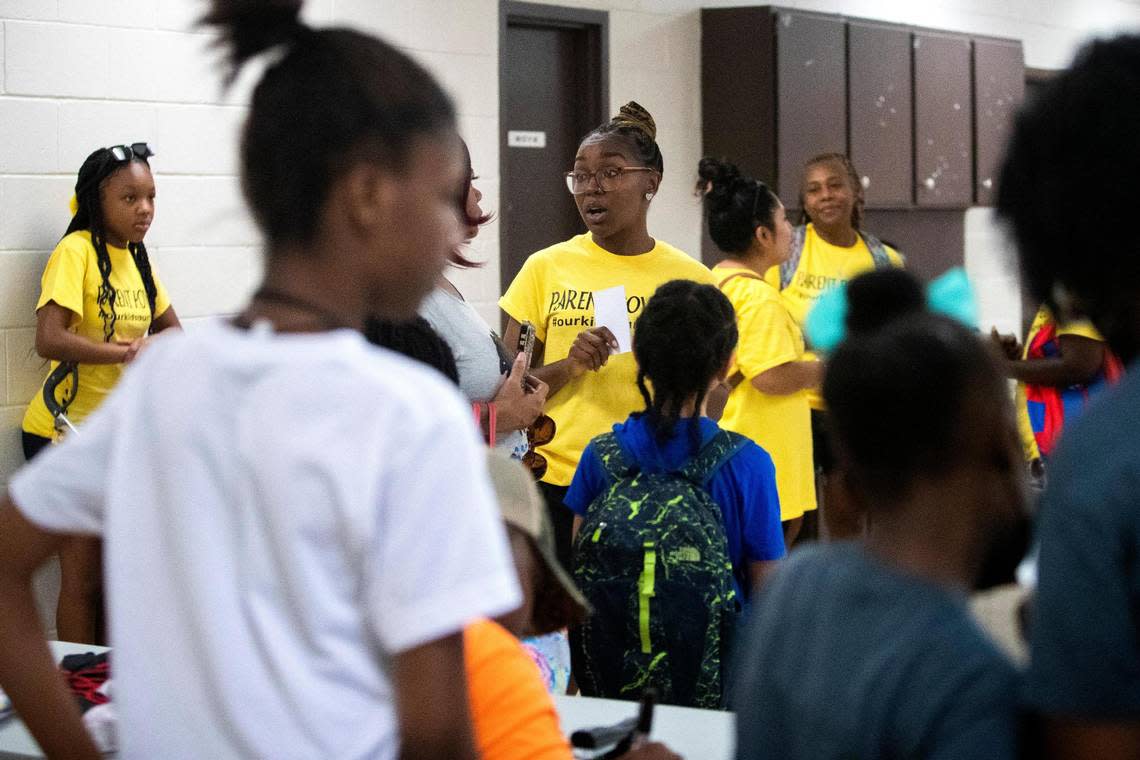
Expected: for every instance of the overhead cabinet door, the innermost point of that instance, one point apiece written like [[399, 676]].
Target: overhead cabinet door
[[811, 82], [943, 149], [879, 92], [999, 88]]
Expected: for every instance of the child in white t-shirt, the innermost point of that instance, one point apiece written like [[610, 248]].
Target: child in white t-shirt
[[287, 574]]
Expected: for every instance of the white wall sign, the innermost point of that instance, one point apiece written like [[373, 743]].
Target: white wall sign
[[517, 138]]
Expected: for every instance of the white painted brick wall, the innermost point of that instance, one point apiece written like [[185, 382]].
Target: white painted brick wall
[[88, 124], [18, 154], [55, 60]]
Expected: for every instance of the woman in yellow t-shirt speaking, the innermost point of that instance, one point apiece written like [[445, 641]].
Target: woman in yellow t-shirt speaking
[[771, 373], [99, 299], [616, 173]]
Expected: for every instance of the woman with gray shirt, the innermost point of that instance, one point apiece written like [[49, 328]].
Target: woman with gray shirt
[[486, 372]]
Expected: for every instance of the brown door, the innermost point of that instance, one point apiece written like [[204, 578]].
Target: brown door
[[552, 79]]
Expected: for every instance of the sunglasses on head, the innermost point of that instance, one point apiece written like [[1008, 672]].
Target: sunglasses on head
[[129, 152]]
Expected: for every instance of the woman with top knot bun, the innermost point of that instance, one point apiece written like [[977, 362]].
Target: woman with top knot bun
[[771, 374], [617, 172]]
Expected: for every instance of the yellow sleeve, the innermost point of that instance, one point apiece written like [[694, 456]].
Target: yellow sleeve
[[522, 301], [703, 274], [1081, 328], [772, 277], [64, 274], [1024, 427], [766, 340]]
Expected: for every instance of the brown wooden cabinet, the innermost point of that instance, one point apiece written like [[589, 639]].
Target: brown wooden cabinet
[[879, 85], [999, 89], [923, 114], [738, 89], [943, 121], [811, 93]]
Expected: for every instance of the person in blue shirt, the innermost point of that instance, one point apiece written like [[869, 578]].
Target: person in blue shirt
[[1065, 193], [683, 344], [928, 457]]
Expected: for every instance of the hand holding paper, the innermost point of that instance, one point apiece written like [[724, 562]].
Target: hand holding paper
[[610, 312]]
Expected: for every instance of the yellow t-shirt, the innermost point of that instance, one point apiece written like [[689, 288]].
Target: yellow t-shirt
[[823, 266], [781, 425], [1079, 327], [512, 713], [71, 279], [554, 290]]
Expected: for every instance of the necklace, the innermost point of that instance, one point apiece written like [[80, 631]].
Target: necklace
[[324, 317]]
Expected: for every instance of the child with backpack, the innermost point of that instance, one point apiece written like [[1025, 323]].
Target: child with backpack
[[675, 519]]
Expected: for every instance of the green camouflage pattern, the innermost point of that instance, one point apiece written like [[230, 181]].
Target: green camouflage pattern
[[652, 558]]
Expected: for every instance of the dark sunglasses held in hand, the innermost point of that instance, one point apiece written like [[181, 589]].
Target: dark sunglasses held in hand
[[538, 434]]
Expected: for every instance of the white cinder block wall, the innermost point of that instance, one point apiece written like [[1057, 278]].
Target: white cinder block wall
[[79, 74]]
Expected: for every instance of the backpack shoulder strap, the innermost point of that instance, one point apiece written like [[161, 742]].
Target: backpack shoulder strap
[[878, 251], [747, 275], [788, 268], [719, 449], [610, 454]]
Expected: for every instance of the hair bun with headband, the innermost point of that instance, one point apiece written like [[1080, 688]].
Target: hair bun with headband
[[634, 116]]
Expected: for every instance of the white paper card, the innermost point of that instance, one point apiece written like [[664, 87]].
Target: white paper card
[[609, 311]]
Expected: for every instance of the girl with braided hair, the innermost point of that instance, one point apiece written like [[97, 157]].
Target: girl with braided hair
[[99, 301], [771, 375], [616, 174], [673, 426]]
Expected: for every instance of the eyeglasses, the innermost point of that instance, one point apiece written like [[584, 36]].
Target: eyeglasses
[[538, 434], [608, 179], [132, 151]]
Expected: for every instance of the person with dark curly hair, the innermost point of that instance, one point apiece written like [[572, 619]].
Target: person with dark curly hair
[[1064, 193]]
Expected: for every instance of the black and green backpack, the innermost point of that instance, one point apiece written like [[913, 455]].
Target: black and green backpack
[[652, 559]]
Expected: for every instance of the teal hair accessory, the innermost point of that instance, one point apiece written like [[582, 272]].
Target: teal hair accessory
[[826, 323], [950, 295]]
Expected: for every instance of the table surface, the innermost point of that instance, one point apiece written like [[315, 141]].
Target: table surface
[[694, 734], [15, 741]]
